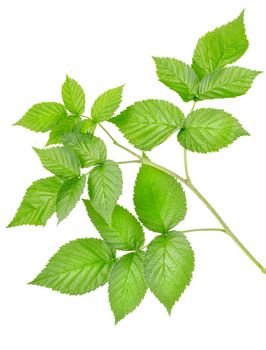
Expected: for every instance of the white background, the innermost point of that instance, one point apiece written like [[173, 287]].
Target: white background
[[103, 44]]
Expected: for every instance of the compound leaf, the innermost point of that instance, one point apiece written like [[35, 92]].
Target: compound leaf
[[42, 117], [78, 267], [159, 199], [226, 82], [123, 233], [106, 104], [178, 76], [169, 264], [148, 123], [60, 161], [209, 130], [73, 96], [220, 47], [105, 187], [39, 203], [127, 286], [89, 149], [68, 196]]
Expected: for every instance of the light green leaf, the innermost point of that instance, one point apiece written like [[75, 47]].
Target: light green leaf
[[178, 76], [148, 123], [159, 199], [169, 264], [73, 96], [38, 204], [106, 104], [42, 116], [78, 267], [105, 187], [226, 82], [68, 196], [127, 286], [88, 126], [209, 129], [60, 161], [65, 125], [220, 47], [123, 233], [89, 149]]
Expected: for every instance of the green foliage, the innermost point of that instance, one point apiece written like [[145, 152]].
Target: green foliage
[[105, 187], [159, 199], [39, 203], [123, 233], [127, 285], [226, 82], [147, 124], [106, 104], [209, 129], [60, 161], [73, 96], [178, 76], [68, 196], [222, 46], [43, 116], [169, 264], [78, 267], [166, 264]]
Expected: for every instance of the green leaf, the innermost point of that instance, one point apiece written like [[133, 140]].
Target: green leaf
[[178, 76], [89, 149], [123, 233], [220, 47], [159, 199], [226, 82], [60, 161], [106, 104], [169, 264], [78, 267], [127, 286], [42, 116], [105, 187], [88, 126], [69, 195], [147, 124], [39, 203], [65, 125], [209, 130], [73, 96]]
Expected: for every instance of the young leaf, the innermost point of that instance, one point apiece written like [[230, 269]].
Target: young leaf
[[178, 76], [123, 233], [68, 196], [169, 264], [106, 104], [209, 130], [88, 126], [89, 149], [60, 161], [159, 199], [78, 267], [105, 187], [38, 204], [42, 116], [127, 286], [67, 124], [73, 96], [226, 82], [147, 124], [220, 47]]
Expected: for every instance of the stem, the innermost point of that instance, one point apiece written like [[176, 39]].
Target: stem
[[129, 161], [203, 230], [188, 183]]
